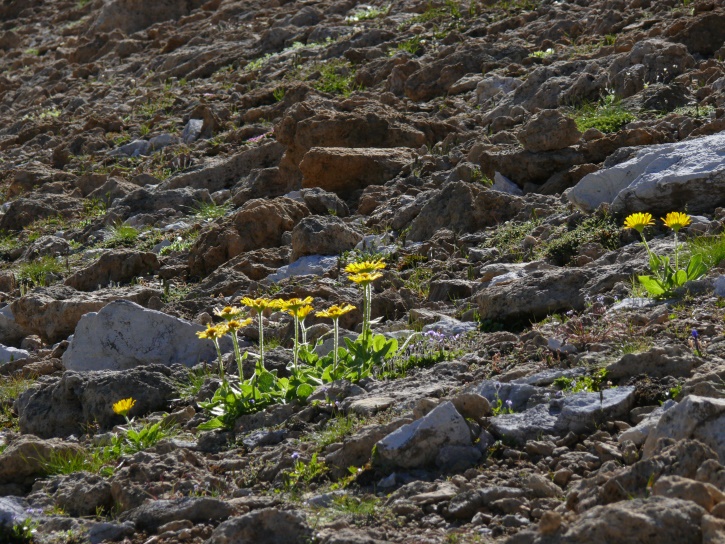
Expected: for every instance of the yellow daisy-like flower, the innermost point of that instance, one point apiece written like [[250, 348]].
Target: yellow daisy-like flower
[[638, 221], [677, 220], [294, 303], [123, 407], [303, 312], [257, 304], [228, 312], [335, 312], [365, 278], [212, 332], [235, 324], [365, 267]]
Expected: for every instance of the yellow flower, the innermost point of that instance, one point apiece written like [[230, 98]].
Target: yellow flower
[[677, 220], [258, 304], [228, 312], [304, 312], [365, 267], [364, 278], [235, 324], [335, 312], [212, 332], [294, 303], [123, 407], [638, 221]]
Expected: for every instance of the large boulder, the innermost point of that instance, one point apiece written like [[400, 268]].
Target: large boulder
[[265, 526], [59, 408], [124, 335], [548, 130], [116, 266], [153, 514], [698, 418], [660, 179], [344, 170], [260, 223], [417, 444], [323, 235], [639, 521], [53, 312]]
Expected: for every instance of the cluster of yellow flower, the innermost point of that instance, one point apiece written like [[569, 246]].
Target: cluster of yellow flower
[[674, 220]]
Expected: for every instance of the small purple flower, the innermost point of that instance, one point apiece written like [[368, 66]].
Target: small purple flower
[[600, 299], [295, 456], [251, 401], [559, 394], [509, 403], [695, 334], [497, 386], [570, 313]]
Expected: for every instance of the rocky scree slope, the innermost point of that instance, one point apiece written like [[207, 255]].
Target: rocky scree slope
[[159, 160]]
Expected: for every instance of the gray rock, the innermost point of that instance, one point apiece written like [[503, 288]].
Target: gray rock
[[135, 148], [698, 418], [504, 185], [64, 407], [457, 458], [13, 510], [657, 362], [192, 130], [450, 326], [518, 394], [639, 521], [578, 413], [417, 444], [322, 235], [124, 335], [8, 354], [265, 526], [109, 532], [639, 433], [720, 286], [632, 304], [659, 179], [134, 15], [153, 514], [494, 85], [162, 140], [114, 267], [466, 504], [311, 265]]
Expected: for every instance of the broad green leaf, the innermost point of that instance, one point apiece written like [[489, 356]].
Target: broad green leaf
[[304, 390], [652, 285], [680, 278]]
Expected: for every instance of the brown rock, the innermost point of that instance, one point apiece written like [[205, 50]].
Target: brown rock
[[117, 266], [28, 457], [686, 489], [322, 235], [344, 171], [53, 313], [258, 224], [549, 130]]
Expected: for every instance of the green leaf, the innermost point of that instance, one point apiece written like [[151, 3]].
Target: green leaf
[[266, 381], [212, 424], [680, 278], [304, 390], [653, 286]]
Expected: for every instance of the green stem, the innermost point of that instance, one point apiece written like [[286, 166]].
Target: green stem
[[237, 355], [221, 361], [337, 329], [677, 261], [297, 343], [261, 338]]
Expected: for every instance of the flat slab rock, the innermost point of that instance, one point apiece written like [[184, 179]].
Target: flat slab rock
[[578, 413], [659, 179], [124, 335]]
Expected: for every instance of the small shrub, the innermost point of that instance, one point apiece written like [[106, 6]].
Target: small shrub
[[607, 116], [121, 235], [38, 273], [211, 210]]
